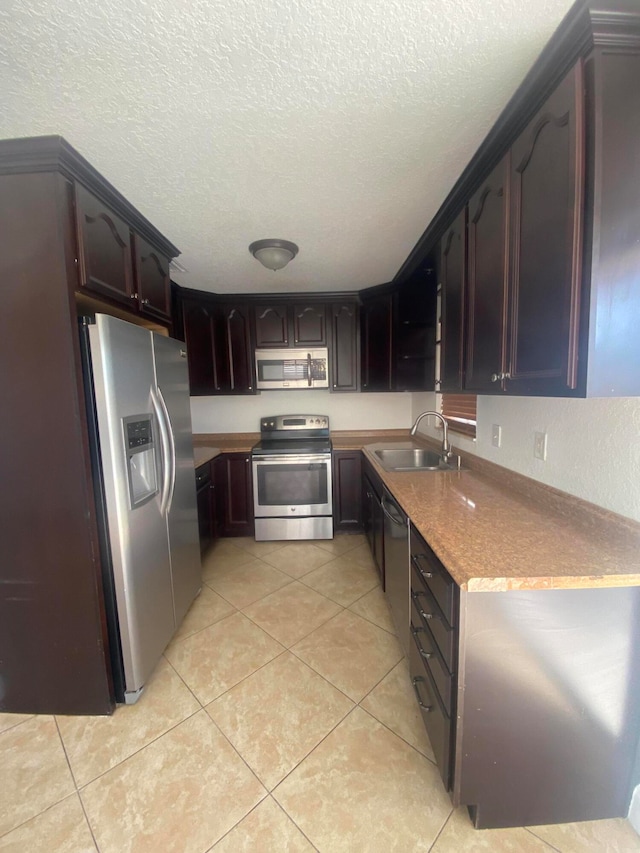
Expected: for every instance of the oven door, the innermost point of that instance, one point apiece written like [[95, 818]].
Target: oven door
[[292, 486]]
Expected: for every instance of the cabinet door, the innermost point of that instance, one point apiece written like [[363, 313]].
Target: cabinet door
[[153, 284], [367, 510], [200, 338], [343, 362], [104, 244], [219, 478], [374, 523], [237, 495], [309, 324], [452, 279], [377, 342], [205, 503], [415, 332], [272, 325], [347, 492], [487, 271], [546, 205], [237, 333]]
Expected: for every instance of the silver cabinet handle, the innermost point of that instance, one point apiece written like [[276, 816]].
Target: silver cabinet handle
[[145, 301], [425, 655], [414, 682], [133, 296], [415, 559], [498, 377]]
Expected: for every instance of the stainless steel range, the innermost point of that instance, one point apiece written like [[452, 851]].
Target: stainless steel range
[[292, 490]]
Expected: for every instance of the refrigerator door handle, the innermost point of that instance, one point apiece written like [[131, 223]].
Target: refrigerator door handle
[[172, 449], [166, 452]]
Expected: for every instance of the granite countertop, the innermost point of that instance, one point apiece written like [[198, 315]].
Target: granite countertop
[[207, 446], [497, 533], [493, 530]]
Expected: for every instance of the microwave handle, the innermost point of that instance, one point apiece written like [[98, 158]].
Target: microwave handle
[[309, 368]]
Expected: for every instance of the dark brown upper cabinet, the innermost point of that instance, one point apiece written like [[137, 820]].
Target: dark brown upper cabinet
[[200, 336], [104, 246], [309, 324], [107, 248], [452, 296], [521, 285], [571, 135], [547, 179], [377, 341], [219, 346], [153, 283], [285, 324], [238, 344], [415, 331], [344, 362], [272, 325], [487, 272]]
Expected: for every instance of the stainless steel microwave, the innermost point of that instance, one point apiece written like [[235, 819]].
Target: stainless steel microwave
[[292, 368]]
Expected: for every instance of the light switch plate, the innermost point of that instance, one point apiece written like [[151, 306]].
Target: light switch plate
[[540, 445], [496, 435]]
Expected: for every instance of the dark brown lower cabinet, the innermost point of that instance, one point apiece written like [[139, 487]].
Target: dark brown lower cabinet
[[372, 516], [234, 494], [205, 498], [528, 720], [433, 649], [347, 491]]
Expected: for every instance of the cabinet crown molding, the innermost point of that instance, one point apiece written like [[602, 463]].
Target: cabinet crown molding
[[55, 154], [589, 24]]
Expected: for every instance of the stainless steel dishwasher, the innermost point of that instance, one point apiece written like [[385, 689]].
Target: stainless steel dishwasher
[[397, 566]]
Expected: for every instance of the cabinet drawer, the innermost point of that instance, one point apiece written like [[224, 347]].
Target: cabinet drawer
[[432, 659], [425, 608], [436, 720], [434, 576]]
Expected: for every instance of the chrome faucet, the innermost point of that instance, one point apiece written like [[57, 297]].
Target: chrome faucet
[[446, 448]]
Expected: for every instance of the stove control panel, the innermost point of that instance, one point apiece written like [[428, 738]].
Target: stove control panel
[[286, 423]]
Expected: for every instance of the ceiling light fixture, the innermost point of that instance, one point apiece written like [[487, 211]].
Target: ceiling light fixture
[[273, 254]]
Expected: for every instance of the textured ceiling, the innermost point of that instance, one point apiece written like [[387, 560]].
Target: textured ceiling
[[339, 125]]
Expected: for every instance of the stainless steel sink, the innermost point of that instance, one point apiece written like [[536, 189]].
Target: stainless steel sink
[[406, 456]]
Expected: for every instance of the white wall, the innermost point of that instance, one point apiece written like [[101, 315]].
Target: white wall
[[345, 411], [593, 446]]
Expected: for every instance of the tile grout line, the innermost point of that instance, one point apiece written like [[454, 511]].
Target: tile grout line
[[85, 785], [535, 835], [391, 731], [200, 630], [299, 639], [311, 751], [21, 723], [75, 782], [74, 793], [441, 830]]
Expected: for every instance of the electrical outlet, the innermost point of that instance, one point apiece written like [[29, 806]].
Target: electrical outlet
[[540, 445], [496, 435]]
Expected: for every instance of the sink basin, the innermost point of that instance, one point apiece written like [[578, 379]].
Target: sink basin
[[410, 459]]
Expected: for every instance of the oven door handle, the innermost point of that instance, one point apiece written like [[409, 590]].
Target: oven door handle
[[290, 458]]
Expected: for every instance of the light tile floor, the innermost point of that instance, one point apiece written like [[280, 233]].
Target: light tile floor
[[280, 719]]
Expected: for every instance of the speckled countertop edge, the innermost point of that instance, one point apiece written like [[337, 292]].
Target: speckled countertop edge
[[492, 529]]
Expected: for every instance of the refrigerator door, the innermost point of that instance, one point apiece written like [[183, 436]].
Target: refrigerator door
[[182, 517], [133, 472]]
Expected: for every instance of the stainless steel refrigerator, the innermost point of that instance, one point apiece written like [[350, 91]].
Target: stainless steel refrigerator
[[144, 482]]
